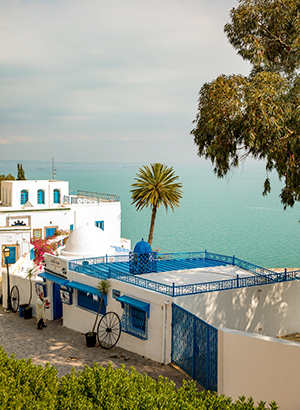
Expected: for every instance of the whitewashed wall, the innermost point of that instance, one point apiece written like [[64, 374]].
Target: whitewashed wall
[[262, 367], [270, 310], [24, 291], [158, 345], [109, 212], [14, 188], [17, 237]]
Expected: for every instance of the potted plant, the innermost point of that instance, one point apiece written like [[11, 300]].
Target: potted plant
[[90, 337], [27, 311]]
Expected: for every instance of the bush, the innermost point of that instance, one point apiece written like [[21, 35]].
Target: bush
[[26, 386]]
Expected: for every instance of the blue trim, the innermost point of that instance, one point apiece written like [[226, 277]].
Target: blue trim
[[87, 289], [139, 304], [53, 278]]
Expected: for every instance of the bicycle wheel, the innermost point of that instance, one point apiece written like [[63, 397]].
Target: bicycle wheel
[[14, 298], [109, 330]]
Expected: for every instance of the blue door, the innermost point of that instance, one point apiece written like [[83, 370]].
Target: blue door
[[57, 304], [50, 232]]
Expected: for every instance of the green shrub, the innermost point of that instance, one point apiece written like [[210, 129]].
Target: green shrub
[[26, 386]]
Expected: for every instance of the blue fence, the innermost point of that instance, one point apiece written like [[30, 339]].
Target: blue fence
[[195, 347], [92, 267]]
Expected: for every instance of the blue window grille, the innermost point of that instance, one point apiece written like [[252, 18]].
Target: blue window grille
[[40, 196], [134, 321], [90, 301], [100, 224], [56, 196], [24, 196]]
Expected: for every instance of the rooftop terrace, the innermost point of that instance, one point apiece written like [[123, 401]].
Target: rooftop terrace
[[184, 273]]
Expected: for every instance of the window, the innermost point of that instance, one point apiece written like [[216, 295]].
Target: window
[[71, 227], [50, 231], [56, 196], [13, 255], [37, 233], [134, 321], [100, 224], [24, 196], [40, 196], [90, 301], [135, 316]]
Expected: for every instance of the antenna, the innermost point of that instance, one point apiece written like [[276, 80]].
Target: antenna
[[54, 169]]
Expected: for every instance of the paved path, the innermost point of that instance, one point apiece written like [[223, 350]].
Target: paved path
[[65, 348]]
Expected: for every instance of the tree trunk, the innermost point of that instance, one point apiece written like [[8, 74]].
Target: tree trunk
[[101, 300], [153, 216]]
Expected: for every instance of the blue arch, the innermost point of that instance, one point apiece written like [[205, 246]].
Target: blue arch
[[24, 196], [40, 196], [56, 196]]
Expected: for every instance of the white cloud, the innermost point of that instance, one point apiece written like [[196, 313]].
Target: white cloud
[[131, 70]]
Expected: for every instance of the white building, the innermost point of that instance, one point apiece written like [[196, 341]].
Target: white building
[[36, 209], [217, 317]]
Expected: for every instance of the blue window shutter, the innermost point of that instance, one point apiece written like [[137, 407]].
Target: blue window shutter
[[71, 227], [31, 254], [100, 224], [24, 196], [40, 196], [50, 232], [12, 255], [56, 196]]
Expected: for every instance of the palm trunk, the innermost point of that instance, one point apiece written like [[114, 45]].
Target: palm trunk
[[101, 300], [30, 293], [153, 216]]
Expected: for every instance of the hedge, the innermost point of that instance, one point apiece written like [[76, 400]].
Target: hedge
[[26, 386]]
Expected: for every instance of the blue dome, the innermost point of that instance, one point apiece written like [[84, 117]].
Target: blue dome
[[142, 247]]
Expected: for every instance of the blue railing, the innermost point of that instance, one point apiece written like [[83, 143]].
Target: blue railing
[[92, 267]]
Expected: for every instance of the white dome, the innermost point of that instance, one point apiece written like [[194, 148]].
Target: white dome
[[87, 241]]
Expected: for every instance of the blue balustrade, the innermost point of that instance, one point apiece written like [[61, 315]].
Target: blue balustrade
[[102, 268]]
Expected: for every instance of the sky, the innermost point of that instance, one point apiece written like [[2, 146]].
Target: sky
[[108, 80]]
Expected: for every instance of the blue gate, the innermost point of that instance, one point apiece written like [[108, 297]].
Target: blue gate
[[195, 347]]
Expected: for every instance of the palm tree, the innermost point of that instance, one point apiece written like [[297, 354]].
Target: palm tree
[[155, 186], [102, 287]]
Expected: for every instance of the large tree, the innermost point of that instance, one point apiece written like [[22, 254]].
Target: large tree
[[258, 115], [155, 185]]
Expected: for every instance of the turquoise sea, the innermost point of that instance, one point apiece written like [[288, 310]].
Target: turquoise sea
[[227, 216]]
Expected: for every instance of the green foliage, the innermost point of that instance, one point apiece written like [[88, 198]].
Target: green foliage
[[155, 185], [266, 33], [21, 173], [258, 115], [24, 386]]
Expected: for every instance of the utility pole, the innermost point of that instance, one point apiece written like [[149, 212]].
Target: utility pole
[[54, 169]]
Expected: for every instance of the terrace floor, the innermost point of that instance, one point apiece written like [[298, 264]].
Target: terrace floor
[[181, 272]]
